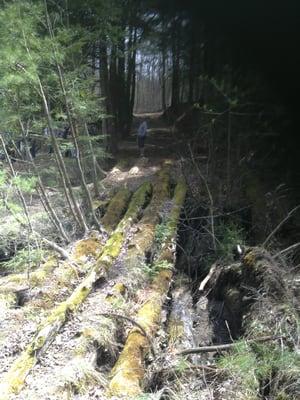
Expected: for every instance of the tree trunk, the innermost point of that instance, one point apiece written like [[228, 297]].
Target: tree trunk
[[163, 80], [175, 67]]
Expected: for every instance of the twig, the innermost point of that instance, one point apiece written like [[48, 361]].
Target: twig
[[207, 278], [288, 249], [134, 323], [280, 225], [227, 346], [194, 367], [65, 255], [211, 208]]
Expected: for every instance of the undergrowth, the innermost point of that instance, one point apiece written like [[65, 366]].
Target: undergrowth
[[24, 259], [228, 235], [263, 369]]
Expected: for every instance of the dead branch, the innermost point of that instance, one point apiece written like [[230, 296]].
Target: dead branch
[[207, 278], [211, 201], [227, 346], [280, 225], [133, 322], [65, 255], [287, 250]]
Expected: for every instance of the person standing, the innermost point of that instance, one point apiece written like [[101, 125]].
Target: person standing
[[141, 137]]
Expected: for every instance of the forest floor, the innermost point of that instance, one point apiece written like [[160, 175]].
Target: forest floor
[[123, 339]]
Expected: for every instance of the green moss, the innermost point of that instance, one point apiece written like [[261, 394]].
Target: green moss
[[87, 247], [37, 277], [116, 209], [178, 200], [7, 300], [161, 192], [128, 372], [15, 377], [111, 250], [139, 199]]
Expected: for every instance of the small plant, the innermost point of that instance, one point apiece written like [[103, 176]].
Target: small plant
[[228, 235], [181, 366], [241, 366], [161, 233], [262, 366], [156, 267], [23, 259]]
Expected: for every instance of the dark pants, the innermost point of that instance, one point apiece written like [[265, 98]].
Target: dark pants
[[141, 142]]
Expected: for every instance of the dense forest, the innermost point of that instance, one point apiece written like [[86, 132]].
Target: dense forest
[[150, 200]]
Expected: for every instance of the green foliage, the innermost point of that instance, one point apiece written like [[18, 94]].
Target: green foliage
[[260, 364], [181, 365], [228, 235], [25, 184], [162, 231], [156, 267], [241, 365], [24, 259], [2, 178], [29, 54]]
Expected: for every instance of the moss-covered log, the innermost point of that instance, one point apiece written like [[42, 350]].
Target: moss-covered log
[[96, 344], [144, 238], [15, 377], [128, 373], [116, 208]]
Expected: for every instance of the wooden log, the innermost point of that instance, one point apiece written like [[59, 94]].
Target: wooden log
[[144, 237], [14, 379], [128, 373], [116, 208], [181, 318]]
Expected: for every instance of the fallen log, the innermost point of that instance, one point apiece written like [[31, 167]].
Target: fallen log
[[14, 379], [128, 373], [99, 336], [116, 208], [181, 318], [143, 240]]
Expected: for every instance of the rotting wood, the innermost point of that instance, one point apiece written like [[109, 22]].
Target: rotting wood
[[14, 379], [180, 321], [128, 372], [144, 238], [226, 346], [260, 271]]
